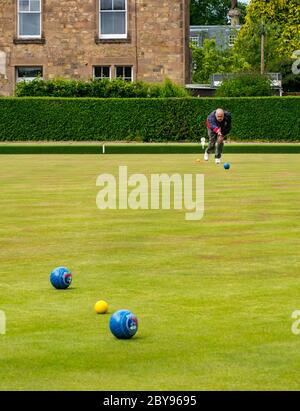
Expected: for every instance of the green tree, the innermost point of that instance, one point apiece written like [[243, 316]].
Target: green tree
[[211, 59], [245, 85], [213, 12], [281, 23]]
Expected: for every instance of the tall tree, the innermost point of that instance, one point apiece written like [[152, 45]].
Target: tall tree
[[211, 59], [213, 12], [281, 24]]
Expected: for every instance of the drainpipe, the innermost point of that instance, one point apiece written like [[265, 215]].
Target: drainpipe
[[136, 42]]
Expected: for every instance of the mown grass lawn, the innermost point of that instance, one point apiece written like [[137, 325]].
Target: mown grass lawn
[[214, 297]]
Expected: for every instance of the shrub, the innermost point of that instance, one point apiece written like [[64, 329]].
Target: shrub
[[101, 88], [245, 85]]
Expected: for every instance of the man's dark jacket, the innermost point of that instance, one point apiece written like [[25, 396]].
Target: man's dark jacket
[[214, 125]]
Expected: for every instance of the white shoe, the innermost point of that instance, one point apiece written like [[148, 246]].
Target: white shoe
[[218, 161], [206, 156]]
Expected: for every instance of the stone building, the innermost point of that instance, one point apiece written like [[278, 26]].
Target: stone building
[[82, 39]]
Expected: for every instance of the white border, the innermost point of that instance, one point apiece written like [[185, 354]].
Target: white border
[[29, 12], [124, 65], [101, 65], [113, 36], [27, 78]]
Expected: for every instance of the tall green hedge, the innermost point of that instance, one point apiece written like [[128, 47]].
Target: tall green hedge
[[178, 119]]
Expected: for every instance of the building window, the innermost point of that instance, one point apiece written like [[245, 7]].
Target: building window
[[231, 40], [101, 72], [29, 18], [124, 72], [113, 19], [28, 73], [194, 40]]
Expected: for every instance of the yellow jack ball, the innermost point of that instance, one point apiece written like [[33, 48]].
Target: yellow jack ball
[[101, 307]]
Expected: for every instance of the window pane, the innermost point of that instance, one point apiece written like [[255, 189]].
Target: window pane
[[106, 23], [113, 23], [106, 4], [119, 4], [29, 72], [24, 5], [97, 71], [119, 72], [119, 23], [35, 5], [128, 72], [29, 24], [106, 71]]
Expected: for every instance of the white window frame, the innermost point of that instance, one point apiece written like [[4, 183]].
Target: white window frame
[[123, 77], [27, 79], [94, 77], [37, 36], [113, 36]]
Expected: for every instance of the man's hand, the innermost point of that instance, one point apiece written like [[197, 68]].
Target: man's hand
[[220, 138]]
